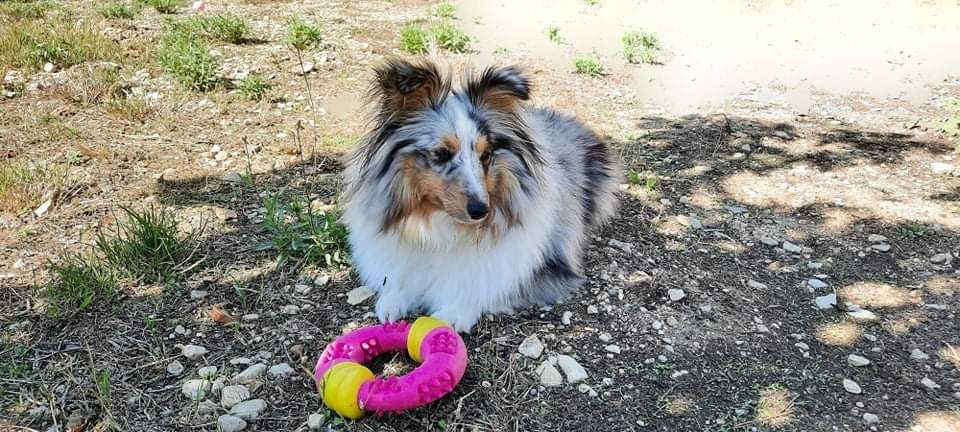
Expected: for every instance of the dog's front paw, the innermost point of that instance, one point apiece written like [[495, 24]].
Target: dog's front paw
[[461, 320], [391, 307]]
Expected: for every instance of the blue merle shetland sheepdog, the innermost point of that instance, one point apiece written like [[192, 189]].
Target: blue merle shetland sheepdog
[[464, 201]]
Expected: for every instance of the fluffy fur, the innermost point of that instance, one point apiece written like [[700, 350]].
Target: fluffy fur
[[467, 201]]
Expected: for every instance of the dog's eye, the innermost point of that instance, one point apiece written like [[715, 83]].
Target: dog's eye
[[442, 155]]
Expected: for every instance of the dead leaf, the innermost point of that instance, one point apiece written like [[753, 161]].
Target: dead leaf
[[219, 316]]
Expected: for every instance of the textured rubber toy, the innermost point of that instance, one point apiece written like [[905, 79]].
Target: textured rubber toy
[[350, 389]]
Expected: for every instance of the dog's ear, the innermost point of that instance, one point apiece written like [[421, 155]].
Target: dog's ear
[[499, 88], [403, 87]]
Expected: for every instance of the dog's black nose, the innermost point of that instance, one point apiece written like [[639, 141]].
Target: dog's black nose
[[477, 209]]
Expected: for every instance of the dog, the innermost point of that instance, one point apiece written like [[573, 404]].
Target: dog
[[465, 201]]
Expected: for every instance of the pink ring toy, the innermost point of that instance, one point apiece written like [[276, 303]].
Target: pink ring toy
[[350, 389]]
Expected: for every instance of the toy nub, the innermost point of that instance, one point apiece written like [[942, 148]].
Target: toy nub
[[351, 389]]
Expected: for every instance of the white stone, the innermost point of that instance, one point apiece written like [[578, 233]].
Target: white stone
[[613, 349], [207, 372], [592, 310], [49, 67], [851, 387], [531, 347], [881, 247], [676, 294], [572, 369], [857, 360], [876, 238], [175, 368], [315, 421], [197, 294], [250, 374], [605, 337], [816, 283], [280, 370], [229, 423], [790, 247], [941, 258], [862, 315], [249, 410], [549, 375], [802, 346], [941, 168], [193, 352], [290, 310], [869, 418], [359, 295], [240, 361], [195, 389], [180, 330], [232, 395], [756, 285], [826, 301], [565, 318], [918, 355], [929, 384]]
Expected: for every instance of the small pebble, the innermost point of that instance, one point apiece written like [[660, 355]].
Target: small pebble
[[229, 423], [851, 387]]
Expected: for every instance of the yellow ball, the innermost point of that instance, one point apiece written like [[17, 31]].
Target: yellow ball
[[418, 331]]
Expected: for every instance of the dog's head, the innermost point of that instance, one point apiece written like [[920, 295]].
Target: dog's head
[[465, 152]]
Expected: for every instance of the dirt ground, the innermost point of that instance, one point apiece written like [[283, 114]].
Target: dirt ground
[[699, 313]]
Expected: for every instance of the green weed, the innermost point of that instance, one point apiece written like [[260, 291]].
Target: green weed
[[951, 125], [254, 86], [165, 6], [302, 36], [148, 245], [451, 38], [553, 33], [227, 28], [914, 230], [444, 10], [61, 42], [414, 39], [300, 233], [78, 282], [591, 2], [14, 361], [119, 10], [640, 47], [188, 59], [22, 185], [589, 65], [26, 9]]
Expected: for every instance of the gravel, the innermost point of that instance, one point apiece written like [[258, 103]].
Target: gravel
[[531, 347], [229, 423], [232, 395], [250, 374], [175, 368], [249, 410], [281, 370], [193, 352], [574, 372], [851, 387], [549, 375], [857, 360], [195, 389], [676, 294], [359, 295]]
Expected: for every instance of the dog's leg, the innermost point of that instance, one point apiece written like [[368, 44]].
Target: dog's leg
[[392, 306], [461, 315]]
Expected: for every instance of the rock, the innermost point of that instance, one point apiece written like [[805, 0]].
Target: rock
[[814, 265], [756, 285], [803, 346], [605, 337], [869, 418], [929, 384], [290, 310], [816, 283], [851, 387], [180, 330], [857, 360], [941, 258], [549, 375], [862, 315], [302, 289], [672, 322], [175, 368], [574, 372], [315, 421], [792, 248], [359, 295], [624, 246], [826, 301], [706, 308], [197, 294], [195, 389], [679, 373], [565, 318], [281, 370], [221, 156], [592, 310], [193, 352], [918, 355], [225, 214], [306, 68], [249, 410], [612, 349], [240, 361], [207, 372], [232, 395], [232, 177], [882, 247], [49, 67], [250, 374], [218, 385], [207, 407], [941, 168], [229, 423], [735, 209], [769, 241], [876, 238], [657, 325], [250, 317], [531, 347], [676, 294]]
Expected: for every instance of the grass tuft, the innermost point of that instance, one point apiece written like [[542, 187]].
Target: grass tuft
[[451, 38], [414, 39], [227, 28], [119, 10], [188, 58], [165, 6], [776, 406], [26, 9], [22, 185], [553, 33], [640, 47], [300, 233], [444, 10], [254, 86], [78, 282], [149, 246], [302, 35], [589, 65], [61, 42]]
